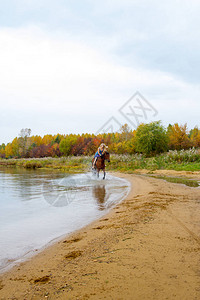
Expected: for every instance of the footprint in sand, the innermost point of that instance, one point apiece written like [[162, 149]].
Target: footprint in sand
[[73, 255], [74, 240], [1, 285], [99, 227], [42, 280]]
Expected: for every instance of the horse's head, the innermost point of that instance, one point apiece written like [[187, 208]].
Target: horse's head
[[107, 156]]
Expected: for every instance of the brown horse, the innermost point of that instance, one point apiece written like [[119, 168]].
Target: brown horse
[[100, 163]]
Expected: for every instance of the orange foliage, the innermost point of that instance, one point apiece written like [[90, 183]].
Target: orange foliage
[[87, 144], [178, 137]]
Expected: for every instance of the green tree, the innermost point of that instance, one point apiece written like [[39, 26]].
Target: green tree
[[66, 144], [151, 138], [57, 139]]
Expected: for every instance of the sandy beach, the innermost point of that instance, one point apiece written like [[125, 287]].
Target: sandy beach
[[147, 247]]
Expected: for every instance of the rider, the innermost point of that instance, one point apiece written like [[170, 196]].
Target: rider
[[99, 153]]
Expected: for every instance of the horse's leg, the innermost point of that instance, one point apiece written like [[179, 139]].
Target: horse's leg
[[104, 174], [98, 173]]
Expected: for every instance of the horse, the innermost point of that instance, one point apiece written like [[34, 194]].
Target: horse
[[100, 163]]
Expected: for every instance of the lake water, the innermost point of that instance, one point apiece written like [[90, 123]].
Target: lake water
[[38, 207]]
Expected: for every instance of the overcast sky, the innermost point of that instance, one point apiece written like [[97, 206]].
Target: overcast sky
[[68, 66]]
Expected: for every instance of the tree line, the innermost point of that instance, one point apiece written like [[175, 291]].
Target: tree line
[[149, 139]]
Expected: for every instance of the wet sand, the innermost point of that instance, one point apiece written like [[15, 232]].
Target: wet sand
[[147, 247]]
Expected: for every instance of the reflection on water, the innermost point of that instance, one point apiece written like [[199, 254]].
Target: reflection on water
[[38, 206], [99, 193]]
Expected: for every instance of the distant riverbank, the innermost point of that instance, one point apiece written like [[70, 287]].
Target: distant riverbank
[[183, 160]]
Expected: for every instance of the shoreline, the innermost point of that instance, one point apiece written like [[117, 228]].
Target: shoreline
[[40, 248], [129, 251]]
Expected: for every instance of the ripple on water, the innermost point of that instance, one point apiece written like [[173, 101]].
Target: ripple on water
[[37, 207]]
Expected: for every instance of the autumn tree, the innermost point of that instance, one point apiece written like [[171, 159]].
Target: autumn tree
[[47, 139], [125, 132], [15, 147], [8, 150], [148, 139], [194, 136], [36, 140], [178, 137]]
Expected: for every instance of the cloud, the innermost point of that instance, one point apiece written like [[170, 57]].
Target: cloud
[[53, 82], [157, 35]]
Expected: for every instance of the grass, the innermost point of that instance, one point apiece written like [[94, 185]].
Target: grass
[[184, 160], [188, 182], [68, 164]]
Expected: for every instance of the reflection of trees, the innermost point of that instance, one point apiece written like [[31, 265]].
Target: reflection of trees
[[27, 183], [99, 193], [17, 181]]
